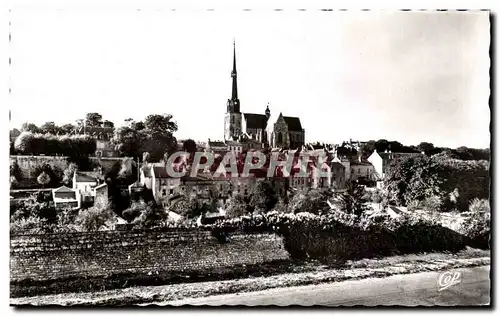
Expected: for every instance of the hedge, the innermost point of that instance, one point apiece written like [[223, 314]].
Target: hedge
[[36, 144]]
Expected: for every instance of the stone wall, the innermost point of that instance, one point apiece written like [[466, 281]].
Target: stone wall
[[28, 164], [35, 259]]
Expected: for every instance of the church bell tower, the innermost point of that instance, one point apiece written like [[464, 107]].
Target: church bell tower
[[232, 121]]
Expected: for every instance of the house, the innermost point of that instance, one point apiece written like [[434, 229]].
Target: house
[[234, 146], [338, 175], [362, 170], [162, 184], [90, 186], [216, 146], [65, 197]]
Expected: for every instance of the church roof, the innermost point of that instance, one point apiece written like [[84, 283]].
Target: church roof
[[255, 120], [293, 123]]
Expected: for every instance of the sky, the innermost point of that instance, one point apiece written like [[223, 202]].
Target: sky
[[405, 76]]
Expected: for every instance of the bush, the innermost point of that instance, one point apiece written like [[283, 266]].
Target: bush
[[15, 170], [98, 217], [151, 216], [43, 179], [478, 225], [28, 225]]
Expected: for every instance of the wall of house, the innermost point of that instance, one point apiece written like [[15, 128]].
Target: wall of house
[[100, 255], [365, 171]]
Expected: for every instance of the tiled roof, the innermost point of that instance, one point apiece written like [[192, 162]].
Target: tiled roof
[[293, 123], [363, 163], [255, 120], [160, 172], [83, 177], [216, 144]]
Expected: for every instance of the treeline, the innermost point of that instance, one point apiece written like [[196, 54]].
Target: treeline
[[91, 120], [35, 144], [462, 153]]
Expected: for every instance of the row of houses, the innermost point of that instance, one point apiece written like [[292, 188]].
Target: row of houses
[[154, 177]]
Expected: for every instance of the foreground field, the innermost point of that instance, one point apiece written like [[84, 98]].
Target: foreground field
[[316, 274]]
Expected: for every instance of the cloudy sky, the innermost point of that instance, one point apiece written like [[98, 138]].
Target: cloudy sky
[[406, 76]]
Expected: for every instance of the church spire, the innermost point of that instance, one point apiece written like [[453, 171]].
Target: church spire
[[234, 95]]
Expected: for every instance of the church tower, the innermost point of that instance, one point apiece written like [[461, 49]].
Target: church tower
[[232, 120]]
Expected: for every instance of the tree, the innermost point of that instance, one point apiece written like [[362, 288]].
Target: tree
[[190, 147], [50, 128], [43, 179], [93, 119], [128, 141], [30, 127], [264, 196], [155, 136], [68, 173], [67, 129], [425, 147], [158, 135], [108, 124], [352, 200]]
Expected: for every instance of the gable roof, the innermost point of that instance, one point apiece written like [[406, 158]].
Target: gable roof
[[63, 189], [82, 177], [293, 123], [255, 120]]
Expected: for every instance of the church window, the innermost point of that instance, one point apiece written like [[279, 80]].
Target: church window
[[280, 137]]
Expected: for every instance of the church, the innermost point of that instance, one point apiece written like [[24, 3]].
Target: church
[[285, 132]]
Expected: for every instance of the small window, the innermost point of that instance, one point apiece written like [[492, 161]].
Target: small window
[[171, 191], [164, 192]]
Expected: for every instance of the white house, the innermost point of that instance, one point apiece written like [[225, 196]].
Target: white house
[[65, 197], [89, 187]]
